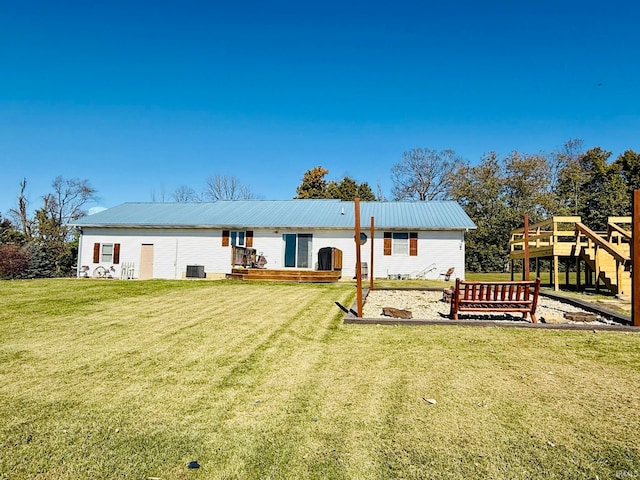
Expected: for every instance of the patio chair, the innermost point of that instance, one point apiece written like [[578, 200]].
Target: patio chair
[[447, 274]]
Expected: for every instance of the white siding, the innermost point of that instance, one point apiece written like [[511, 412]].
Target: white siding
[[174, 249]]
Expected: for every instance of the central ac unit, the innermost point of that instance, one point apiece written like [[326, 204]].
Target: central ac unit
[[195, 271]]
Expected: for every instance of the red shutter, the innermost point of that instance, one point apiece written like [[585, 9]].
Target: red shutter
[[249, 238], [96, 253], [225, 238], [387, 243], [116, 253], [413, 244]]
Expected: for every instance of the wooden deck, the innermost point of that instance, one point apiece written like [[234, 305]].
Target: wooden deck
[[604, 255], [288, 275]]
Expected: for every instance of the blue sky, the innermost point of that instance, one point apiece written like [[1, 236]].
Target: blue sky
[[141, 97]]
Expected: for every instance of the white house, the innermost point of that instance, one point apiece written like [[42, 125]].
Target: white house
[[159, 240]]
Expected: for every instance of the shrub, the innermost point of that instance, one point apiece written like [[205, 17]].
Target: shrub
[[14, 261]]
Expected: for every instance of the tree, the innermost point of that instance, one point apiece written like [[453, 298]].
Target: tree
[[425, 174], [20, 214], [222, 187], [348, 189], [185, 194], [629, 165], [606, 191], [595, 189], [52, 251], [527, 187], [9, 235], [313, 184], [67, 200], [481, 190]]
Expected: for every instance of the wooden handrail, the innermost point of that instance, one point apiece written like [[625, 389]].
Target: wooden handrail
[[613, 227], [547, 222], [602, 243]]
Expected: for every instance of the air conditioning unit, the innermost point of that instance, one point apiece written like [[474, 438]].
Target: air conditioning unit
[[195, 271]]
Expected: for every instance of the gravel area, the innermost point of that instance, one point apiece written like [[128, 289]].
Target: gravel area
[[428, 305]]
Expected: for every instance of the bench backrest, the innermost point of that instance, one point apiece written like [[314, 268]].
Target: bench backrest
[[525, 291]]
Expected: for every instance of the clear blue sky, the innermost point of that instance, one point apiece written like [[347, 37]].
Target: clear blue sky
[[141, 97]]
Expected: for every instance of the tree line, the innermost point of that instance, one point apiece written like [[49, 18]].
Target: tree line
[[496, 193]]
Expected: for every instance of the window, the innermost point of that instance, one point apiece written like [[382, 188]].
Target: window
[[237, 238], [401, 243], [297, 250], [106, 253]]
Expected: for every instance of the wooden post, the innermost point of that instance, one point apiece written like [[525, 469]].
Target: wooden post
[[578, 274], [371, 256], [635, 260], [556, 281], [525, 273], [358, 259]]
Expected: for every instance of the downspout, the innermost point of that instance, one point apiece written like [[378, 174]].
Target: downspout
[[79, 260], [175, 263]]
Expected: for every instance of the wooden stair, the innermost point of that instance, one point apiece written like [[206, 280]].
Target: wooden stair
[[289, 275], [609, 261]]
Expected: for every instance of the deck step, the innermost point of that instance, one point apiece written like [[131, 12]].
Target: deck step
[[310, 276]]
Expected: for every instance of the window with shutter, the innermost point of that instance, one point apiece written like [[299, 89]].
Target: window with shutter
[[107, 253], [387, 243], [225, 238], [249, 238]]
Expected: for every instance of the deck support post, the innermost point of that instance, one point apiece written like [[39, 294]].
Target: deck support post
[[525, 269], [635, 260], [371, 270], [358, 258], [556, 283], [578, 274]]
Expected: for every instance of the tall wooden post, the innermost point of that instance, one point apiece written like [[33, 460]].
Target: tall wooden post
[[635, 260], [358, 259], [525, 272], [371, 270]]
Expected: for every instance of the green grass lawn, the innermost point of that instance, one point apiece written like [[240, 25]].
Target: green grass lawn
[[116, 379]]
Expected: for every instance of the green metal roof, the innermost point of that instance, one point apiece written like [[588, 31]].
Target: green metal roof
[[327, 214]]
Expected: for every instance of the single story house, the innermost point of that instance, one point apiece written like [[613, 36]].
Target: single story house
[[160, 240]]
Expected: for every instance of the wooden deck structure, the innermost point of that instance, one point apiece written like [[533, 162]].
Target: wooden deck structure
[[246, 264], [288, 275], [602, 259]]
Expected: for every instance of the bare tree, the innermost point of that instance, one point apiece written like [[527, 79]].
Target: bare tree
[[20, 214], [185, 194], [380, 193], [161, 197], [65, 203], [425, 174], [223, 187]]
